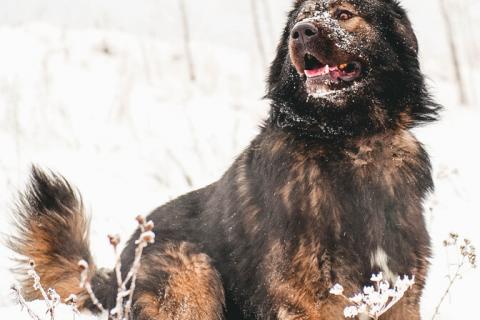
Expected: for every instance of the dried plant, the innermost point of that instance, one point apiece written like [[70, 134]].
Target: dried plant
[[50, 296], [375, 300], [467, 260], [453, 46], [258, 33], [122, 309], [20, 300], [71, 301], [187, 41], [85, 284]]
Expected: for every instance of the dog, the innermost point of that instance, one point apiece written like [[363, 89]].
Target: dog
[[330, 191]]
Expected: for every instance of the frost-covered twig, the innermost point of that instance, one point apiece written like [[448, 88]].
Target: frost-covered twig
[[71, 301], [146, 237], [375, 300], [115, 241], [51, 299], [468, 258], [54, 300], [20, 300], [85, 283], [122, 309]]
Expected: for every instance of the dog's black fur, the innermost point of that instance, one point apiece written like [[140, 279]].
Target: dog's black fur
[[330, 191]]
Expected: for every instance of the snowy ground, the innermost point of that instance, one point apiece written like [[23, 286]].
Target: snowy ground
[[99, 91]]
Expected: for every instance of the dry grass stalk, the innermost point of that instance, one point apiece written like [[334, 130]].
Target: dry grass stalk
[[71, 301], [187, 41], [146, 237], [122, 310], [20, 300], [258, 33], [468, 259], [453, 52], [50, 296], [85, 284]]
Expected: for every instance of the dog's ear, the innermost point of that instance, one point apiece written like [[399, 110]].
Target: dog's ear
[[403, 27]]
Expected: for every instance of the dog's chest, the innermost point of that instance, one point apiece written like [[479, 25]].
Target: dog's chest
[[363, 176], [335, 215], [355, 199]]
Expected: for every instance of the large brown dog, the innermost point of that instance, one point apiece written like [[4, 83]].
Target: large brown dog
[[330, 191]]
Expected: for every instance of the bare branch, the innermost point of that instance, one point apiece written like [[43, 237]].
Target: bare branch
[[122, 309], [38, 286], [20, 300], [72, 302], [468, 255], [146, 237], [186, 40], [268, 19], [453, 51], [85, 283], [258, 33]]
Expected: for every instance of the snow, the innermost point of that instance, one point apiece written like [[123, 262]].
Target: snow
[[63, 312], [99, 91]]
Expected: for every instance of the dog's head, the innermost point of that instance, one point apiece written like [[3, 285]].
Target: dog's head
[[347, 67]]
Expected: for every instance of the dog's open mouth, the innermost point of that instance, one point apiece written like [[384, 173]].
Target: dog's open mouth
[[346, 71], [324, 78]]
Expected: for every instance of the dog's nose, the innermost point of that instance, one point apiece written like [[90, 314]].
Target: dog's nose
[[303, 32]]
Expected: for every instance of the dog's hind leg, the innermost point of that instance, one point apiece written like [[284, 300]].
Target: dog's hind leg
[[178, 282]]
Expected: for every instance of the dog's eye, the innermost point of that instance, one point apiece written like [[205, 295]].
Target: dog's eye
[[343, 15]]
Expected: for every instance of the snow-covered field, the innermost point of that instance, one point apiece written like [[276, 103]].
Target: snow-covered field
[[99, 90]]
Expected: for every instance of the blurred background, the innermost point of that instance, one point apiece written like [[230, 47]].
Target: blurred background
[[137, 102]]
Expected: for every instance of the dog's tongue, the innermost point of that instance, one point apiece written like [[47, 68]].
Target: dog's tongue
[[318, 72], [334, 72], [325, 70]]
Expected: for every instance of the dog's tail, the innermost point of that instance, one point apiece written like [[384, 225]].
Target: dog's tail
[[52, 231]]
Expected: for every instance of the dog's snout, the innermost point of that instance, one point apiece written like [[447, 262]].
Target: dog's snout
[[303, 32]]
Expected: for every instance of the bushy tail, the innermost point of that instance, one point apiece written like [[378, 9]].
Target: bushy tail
[[53, 231]]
